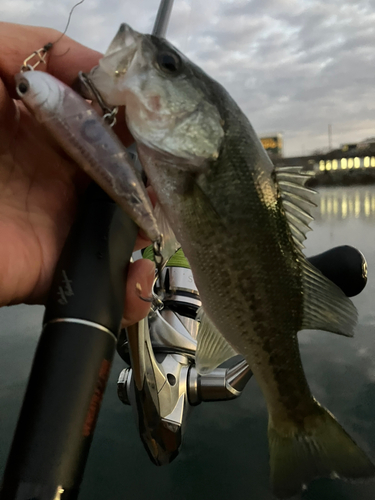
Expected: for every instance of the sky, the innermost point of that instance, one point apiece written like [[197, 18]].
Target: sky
[[293, 66]]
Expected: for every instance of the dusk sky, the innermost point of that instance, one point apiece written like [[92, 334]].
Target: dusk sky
[[293, 66]]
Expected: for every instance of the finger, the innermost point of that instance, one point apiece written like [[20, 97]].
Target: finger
[[141, 272], [64, 60]]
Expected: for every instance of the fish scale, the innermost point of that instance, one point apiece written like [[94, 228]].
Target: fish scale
[[220, 194], [227, 248]]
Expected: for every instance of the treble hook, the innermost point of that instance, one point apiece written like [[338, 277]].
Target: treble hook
[[156, 302]]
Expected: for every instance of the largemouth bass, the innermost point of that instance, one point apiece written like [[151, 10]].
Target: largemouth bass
[[241, 225], [86, 138]]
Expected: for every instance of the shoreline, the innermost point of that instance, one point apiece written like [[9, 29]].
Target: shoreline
[[340, 178]]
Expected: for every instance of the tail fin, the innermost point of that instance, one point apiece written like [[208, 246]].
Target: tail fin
[[322, 449]]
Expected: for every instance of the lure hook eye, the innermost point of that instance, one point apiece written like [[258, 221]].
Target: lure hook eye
[[23, 87]]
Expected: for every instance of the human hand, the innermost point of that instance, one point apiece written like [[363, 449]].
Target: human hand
[[39, 185]]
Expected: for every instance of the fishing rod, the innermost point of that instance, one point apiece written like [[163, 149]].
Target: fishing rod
[[162, 18], [75, 351], [73, 357]]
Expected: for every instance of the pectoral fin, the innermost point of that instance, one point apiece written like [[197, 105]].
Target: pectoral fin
[[212, 348], [326, 307]]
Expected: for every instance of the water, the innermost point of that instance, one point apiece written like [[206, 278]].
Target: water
[[225, 451]]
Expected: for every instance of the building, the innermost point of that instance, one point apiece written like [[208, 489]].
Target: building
[[349, 156], [273, 144], [346, 158]]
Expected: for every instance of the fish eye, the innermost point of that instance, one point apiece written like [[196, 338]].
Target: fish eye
[[169, 62], [23, 87]]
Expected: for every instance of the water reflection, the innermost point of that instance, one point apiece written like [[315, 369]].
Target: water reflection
[[343, 203], [229, 437]]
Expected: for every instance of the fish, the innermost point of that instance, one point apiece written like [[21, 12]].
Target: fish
[[241, 224], [88, 140]]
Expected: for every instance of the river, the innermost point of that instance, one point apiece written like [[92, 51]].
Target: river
[[225, 451]]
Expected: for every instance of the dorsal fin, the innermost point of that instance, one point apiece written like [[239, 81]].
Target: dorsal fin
[[297, 200]]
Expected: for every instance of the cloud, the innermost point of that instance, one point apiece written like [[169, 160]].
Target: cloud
[[292, 65]]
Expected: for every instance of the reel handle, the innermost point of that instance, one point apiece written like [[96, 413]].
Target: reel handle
[[345, 266]]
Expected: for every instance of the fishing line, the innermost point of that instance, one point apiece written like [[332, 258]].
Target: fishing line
[[41, 54], [67, 24], [48, 46], [188, 25]]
